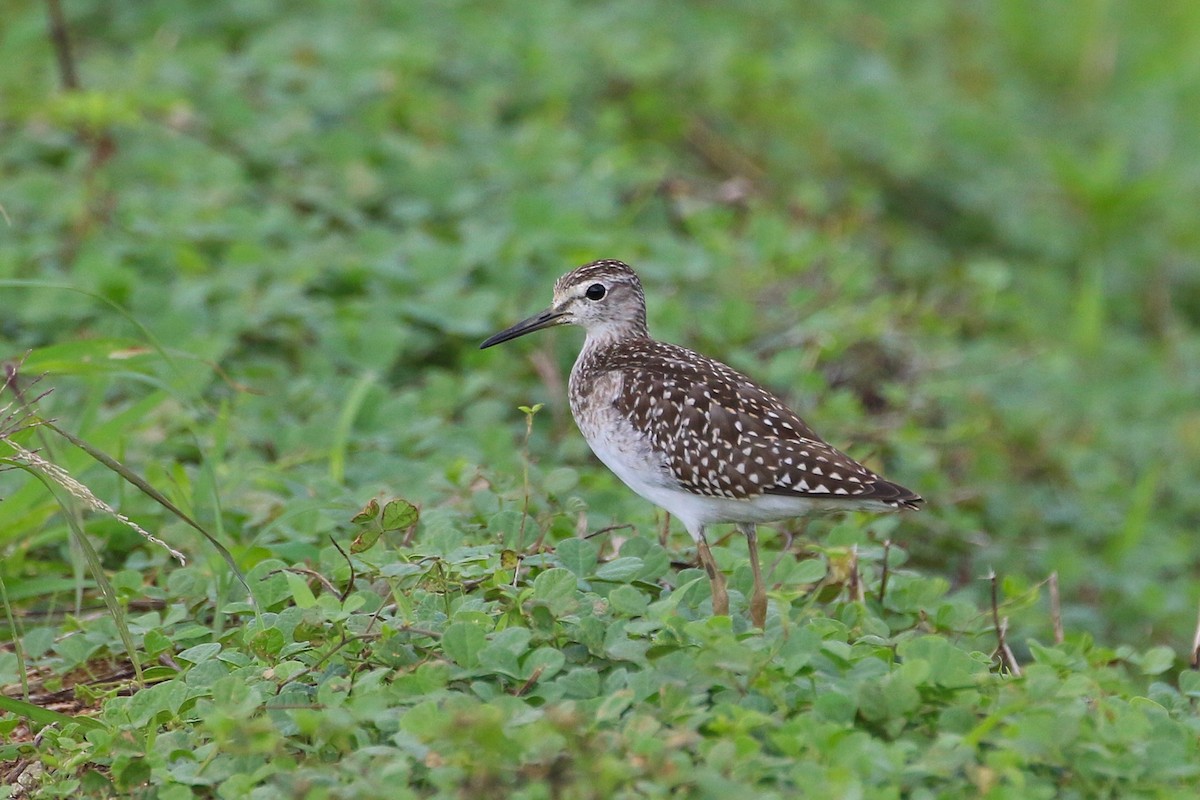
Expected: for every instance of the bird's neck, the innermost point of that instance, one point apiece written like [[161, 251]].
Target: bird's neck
[[602, 337], [599, 350]]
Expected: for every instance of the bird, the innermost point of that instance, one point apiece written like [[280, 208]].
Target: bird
[[690, 434]]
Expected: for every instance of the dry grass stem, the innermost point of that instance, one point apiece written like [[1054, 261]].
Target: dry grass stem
[[1003, 653], [81, 492], [883, 578], [1055, 607]]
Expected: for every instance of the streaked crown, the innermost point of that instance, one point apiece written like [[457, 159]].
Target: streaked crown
[[605, 297]]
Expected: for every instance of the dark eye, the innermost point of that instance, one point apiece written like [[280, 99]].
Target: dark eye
[[596, 291]]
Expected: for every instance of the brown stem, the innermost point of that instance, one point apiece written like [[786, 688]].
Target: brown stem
[[62, 46], [1055, 607], [609, 529], [529, 684], [350, 563], [856, 584], [1003, 653], [883, 578]]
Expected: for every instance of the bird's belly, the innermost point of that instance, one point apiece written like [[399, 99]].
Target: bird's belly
[[772, 508], [626, 452]]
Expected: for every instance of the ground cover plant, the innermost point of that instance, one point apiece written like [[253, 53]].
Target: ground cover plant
[[247, 255]]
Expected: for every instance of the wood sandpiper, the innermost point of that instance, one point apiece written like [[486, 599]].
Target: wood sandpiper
[[690, 434]]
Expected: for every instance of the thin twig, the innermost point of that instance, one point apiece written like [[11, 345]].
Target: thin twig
[[62, 46], [345, 640], [81, 492], [312, 573], [991, 577], [419, 631], [786, 550], [23, 417], [1003, 653], [720, 152], [529, 411], [362, 664], [1056, 607], [409, 534], [350, 583], [132, 477], [609, 529], [529, 684], [350, 639], [883, 578], [525, 501], [856, 584]]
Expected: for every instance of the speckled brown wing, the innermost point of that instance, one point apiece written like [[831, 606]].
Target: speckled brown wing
[[722, 435]]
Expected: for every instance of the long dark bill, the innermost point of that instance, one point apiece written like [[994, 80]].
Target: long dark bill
[[545, 319]]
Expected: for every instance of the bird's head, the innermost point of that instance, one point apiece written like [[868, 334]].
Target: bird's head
[[603, 297]]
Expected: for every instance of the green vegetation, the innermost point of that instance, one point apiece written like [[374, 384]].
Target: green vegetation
[[252, 255]]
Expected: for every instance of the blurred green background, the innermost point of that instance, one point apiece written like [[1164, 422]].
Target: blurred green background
[[255, 250]]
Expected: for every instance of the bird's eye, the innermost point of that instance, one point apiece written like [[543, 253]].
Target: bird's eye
[[596, 291]]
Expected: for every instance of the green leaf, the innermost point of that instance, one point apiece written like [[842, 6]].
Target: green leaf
[[578, 555], [200, 653], [614, 705], [499, 661], [399, 515], [620, 569], [133, 774], [46, 716], [512, 640], [889, 697], [549, 660], [810, 570], [580, 682], [557, 589], [302, 595], [462, 642], [269, 583], [509, 559], [1156, 660], [368, 512], [155, 642], [690, 590], [628, 600], [948, 665], [366, 539], [163, 698], [620, 646], [799, 650], [560, 481], [267, 643], [836, 707], [656, 562]]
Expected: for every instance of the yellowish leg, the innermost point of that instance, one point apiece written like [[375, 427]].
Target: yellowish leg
[[720, 597], [758, 597]]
